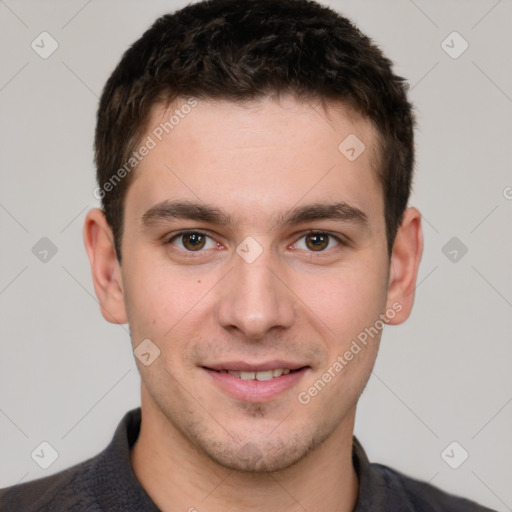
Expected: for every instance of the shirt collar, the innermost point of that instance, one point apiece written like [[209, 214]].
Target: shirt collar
[[117, 483]]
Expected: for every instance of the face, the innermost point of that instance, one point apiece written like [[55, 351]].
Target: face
[[254, 254]]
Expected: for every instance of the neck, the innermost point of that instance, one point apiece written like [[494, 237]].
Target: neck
[[179, 477]]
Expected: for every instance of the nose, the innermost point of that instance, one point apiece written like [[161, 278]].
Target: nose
[[255, 298]]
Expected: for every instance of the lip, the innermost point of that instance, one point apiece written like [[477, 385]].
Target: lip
[[255, 390], [244, 366]]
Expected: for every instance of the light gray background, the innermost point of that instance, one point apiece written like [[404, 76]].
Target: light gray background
[[67, 376]]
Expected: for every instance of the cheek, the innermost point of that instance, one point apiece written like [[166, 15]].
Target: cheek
[[345, 299], [151, 301], [162, 300]]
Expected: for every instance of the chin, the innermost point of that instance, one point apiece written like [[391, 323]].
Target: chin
[[260, 456]]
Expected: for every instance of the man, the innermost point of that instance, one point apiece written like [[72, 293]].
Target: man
[[254, 162]]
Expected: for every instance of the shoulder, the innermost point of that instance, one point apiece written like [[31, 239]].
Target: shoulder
[[386, 489], [68, 490], [103, 482], [419, 496]]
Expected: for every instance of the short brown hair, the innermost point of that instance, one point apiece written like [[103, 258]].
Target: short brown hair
[[239, 51]]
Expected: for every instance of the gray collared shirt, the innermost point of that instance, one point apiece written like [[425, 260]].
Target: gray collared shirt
[[107, 483]]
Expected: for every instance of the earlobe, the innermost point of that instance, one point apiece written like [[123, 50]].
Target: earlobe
[[404, 264], [105, 268]]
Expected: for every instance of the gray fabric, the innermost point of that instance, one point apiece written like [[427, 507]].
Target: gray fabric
[[106, 482]]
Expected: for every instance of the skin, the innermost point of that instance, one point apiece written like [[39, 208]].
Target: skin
[[293, 303]]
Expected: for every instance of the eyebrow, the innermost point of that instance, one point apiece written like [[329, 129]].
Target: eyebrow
[[168, 210]]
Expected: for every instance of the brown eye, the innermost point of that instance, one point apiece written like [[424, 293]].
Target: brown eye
[[192, 241], [317, 241]]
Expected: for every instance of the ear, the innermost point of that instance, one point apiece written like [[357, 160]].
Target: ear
[[105, 268], [403, 271]]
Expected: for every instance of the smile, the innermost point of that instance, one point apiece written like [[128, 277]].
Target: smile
[[261, 376], [255, 383]]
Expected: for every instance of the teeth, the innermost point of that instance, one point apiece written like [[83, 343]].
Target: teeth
[[266, 375], [261, 376]]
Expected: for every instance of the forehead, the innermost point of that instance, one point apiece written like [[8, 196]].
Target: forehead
[[277, 123], [258, 157]]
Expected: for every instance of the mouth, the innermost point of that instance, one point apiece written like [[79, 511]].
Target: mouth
[[258, 382], [261, 376]]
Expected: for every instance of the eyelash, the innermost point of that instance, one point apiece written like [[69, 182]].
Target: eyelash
[[341, 241]]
